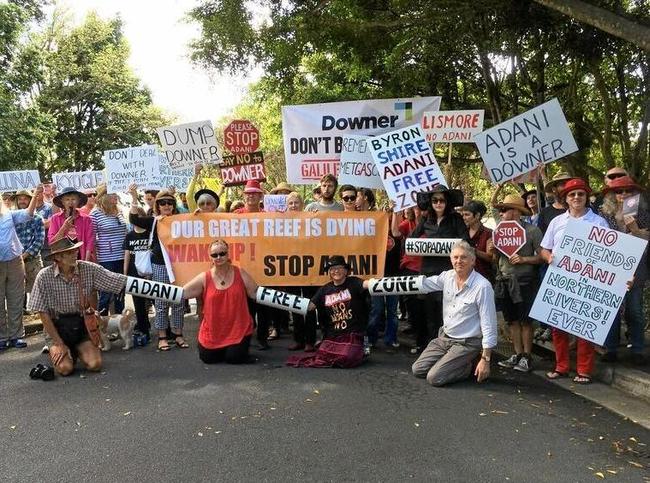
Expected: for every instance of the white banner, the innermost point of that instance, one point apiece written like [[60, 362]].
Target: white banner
[[154, 290], [187, 145], [517, 145], [139, 165], [452, 126], [282, 300], [180, 179], [19, 180], [80, 180], [585, 285], [357, 166], [430, 247], [404, 285], [406, 165], [313, 132]]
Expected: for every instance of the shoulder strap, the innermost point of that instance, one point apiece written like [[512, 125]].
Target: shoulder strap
[[153, 227], [82, 297]]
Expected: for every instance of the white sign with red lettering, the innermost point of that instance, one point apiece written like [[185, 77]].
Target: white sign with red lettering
[[452, 126], [313, 133], [509, 237]]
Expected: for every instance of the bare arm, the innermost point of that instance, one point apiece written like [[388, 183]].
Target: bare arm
[[394, 225], [133, 191], [127, 261], [546, 255], [37, 198], [194, 288], [249, 283]]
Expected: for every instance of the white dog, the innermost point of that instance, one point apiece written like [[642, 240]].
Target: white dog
[[122, 323]]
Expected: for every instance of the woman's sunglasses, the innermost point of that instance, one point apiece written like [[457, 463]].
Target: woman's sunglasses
[[348, 199], [165, 203], [624, 192], [218, 254], [438, 200], [615, 175]]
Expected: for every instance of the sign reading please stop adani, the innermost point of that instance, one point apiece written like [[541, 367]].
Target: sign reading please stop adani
[[241, 136]]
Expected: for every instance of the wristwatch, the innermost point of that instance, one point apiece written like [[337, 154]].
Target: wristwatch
[[486, 358]]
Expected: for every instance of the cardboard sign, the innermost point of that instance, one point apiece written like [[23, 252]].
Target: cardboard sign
[[405, 285], [282, 300], [187, 145], [275, 203], [178, 178], [313, 132], [86, 180], [430, 247], [509, 237], [139, 165], [517, 145], [278, 249], [357, 166], [19, 180], [452, 126], [406, 165], [153, 290], [237, 169], [585, 285]]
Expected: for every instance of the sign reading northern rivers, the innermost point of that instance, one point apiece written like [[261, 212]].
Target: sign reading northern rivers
[[587, 281], [187, 145], [406, 165], [313, 133], [517, 145]]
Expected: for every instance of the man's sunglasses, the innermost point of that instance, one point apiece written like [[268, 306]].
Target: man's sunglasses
[[624, 192], [165, 203], [218, 254], [349, 198], [615, 175]]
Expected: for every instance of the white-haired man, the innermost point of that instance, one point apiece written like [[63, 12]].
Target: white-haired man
[[469, 323]]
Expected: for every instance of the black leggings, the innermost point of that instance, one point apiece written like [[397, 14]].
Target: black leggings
[[232, 354]]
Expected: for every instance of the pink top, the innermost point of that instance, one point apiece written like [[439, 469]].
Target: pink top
[[82, 231]]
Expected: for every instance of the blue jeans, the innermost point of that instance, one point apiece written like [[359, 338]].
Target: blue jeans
[[105, 297], [381, 307], [635, 323]]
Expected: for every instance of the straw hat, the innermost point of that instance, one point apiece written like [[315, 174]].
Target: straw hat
[[514, 202], [557, 179], [284, 186]]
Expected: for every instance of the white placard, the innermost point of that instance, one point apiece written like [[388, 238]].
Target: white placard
[[452, 126], [154, 290], [19, 180], [585, 285], [186, 145], [179, 179], [275, 203], [139, 165], [282, 300], [357, 166], [404, 285], [517, 145], [79, 180], [406, 165], [313, 133], [430, 247]]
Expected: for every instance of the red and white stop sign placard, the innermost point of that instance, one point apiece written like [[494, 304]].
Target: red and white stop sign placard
[[241, 136], [508, 237]]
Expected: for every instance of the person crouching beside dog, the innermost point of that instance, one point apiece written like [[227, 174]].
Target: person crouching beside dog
[[57, 298]]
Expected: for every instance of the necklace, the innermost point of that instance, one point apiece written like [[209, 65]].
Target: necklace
[[222, 281]]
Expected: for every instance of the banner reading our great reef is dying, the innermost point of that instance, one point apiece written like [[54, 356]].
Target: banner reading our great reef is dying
[[275, 248], [586, 283]]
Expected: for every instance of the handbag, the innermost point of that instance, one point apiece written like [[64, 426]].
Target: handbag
[[90, 315], [143, 259]]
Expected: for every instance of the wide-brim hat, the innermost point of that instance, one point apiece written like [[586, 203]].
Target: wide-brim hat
[[555, 180], [253, 186], [284, 186], [525, 194], [206, 191], [22, 193], [514, 202], [62, 245], [575, 184], [8, 194], [454, 196], [69, 190], [624, 182], [335, 261]]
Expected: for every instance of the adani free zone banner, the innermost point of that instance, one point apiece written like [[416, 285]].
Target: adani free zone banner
[[313, 133], [585, 285], [276, 249]]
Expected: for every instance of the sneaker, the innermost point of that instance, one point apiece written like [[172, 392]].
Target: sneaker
[[523, 365], [546, 335], [17, 343], [45, 349], [416, 350], [538, 333], [510, 362], [394, 345]]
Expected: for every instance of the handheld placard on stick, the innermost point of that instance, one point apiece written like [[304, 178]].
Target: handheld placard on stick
[[282, 300], [430, 247], [405, 285], [154, 290]]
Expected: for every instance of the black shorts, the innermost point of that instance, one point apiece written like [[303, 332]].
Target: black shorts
[[519, 312], [72, 330]]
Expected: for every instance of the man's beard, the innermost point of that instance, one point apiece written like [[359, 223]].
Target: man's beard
[[328, 198]]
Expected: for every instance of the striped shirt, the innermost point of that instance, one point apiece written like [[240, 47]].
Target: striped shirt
[[110, 231]]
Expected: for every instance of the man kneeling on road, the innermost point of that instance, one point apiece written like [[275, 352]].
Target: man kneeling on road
[[469, 323]]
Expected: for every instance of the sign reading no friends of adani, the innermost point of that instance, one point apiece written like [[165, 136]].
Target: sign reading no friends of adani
[[585, 285], [517, 145], [313, 133], [277, 249]]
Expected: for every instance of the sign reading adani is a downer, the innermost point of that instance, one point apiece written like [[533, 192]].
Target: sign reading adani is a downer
[[277, 249], [313, 133], [587, 281], [519, 144]]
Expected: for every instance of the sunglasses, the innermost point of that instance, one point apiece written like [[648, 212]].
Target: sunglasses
[[615, 175], [91, 195], [218, 254], [349, 198], [165, 203], [624, 192], [438, 200]]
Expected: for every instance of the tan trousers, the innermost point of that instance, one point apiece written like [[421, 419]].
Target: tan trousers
[[447, 360], [33, 265], [12, 293]]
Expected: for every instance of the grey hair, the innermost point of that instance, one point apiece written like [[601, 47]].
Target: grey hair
[[206, 197], [466, 247]]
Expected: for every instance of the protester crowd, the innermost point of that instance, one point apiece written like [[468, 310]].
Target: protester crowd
[[72, 254]]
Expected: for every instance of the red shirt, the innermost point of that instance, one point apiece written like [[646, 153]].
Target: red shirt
[[479, 242], [409, 262]]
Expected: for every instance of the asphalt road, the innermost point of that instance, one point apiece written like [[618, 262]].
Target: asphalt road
[[166, 416]]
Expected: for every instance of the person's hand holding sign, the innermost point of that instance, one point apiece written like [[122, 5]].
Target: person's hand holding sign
[[516, 259]]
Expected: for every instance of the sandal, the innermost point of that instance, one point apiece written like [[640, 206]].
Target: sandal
[[163, 345], [556, 375], [580, 379], [182, 344]]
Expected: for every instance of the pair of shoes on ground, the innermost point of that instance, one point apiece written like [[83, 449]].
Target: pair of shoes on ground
[[296, 346], [543, 335], [518, 362], [17, 343], [579, 379], [179, 341]]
